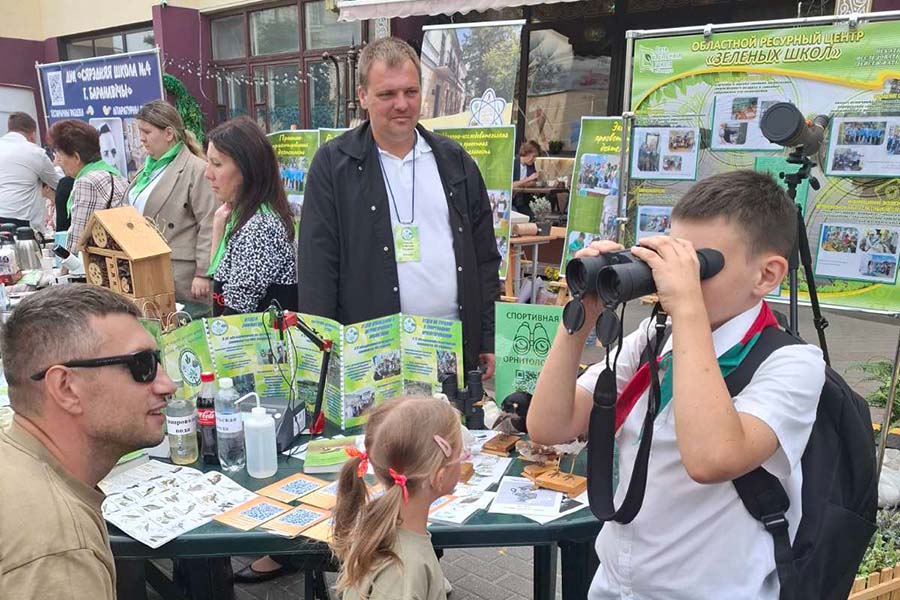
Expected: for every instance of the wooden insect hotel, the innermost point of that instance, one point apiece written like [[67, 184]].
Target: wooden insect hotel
[[125, 253]]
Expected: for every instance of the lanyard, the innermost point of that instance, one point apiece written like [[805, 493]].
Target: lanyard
[[391, 191]]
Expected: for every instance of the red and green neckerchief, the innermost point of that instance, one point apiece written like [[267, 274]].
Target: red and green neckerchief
[[728, 362]]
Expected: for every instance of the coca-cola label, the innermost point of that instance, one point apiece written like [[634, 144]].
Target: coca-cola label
[[230, 423], [180, 425], [206, 417]]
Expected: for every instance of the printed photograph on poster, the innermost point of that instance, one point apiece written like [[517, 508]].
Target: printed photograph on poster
[[860, 252], [358, 403], [665, 153], [499, 207], [135, 153], [653, 220], [864, 146], [112, 142], [598, 175], [736, 120]]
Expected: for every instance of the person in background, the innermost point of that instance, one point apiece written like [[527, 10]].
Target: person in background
[[254, 261], [24, 171], [414, 445], [60, 199], [525, 175], [97, 186], [172, 190], [89, 392]]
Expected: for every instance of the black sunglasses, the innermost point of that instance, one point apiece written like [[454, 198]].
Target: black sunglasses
[[143, 365]]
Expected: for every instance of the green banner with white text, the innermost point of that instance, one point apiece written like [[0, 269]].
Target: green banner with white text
[[524, 334]]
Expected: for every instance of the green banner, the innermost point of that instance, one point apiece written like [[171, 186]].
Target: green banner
[[493, 148], [326, 135], [720, 86], [594, 199], [431, 352], [294, 151], [524, 335]]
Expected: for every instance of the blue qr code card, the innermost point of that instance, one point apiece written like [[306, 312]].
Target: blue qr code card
[[262, 511]]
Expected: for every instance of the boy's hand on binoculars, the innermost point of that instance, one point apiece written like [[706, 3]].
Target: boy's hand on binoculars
[[593, 306], [676, 271]]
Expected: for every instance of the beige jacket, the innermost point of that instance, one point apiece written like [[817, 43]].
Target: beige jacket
[[182, 206]]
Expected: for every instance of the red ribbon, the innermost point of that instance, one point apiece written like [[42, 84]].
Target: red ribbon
[[354, 452], [401, 481]]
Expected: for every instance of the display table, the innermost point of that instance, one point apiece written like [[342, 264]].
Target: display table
[[208, 548], [535, 241]]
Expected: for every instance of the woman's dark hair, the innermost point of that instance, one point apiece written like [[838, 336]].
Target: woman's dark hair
[[246, 144], [71, 137]]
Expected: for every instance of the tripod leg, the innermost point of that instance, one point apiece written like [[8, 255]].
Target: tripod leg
[[806, 259]]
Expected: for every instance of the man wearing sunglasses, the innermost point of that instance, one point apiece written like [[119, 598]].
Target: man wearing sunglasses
[[86, 387]]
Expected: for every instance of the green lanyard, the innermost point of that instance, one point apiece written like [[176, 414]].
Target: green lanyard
[[97, 165], [226, 235]]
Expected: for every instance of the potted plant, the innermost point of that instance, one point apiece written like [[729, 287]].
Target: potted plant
[[542, 211], [555, 146]]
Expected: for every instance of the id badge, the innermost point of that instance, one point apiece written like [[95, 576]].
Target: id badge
[[406, 243]]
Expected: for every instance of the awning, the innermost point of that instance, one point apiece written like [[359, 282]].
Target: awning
[[358, 10]]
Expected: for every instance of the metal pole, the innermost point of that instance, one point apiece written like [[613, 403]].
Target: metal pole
[[886, 423], [40, 78], [624, 163]]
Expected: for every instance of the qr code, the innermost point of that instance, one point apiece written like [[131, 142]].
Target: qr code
[[300, 516], [299, 487], [526, 380], [55, 86], [261, 512], [331, 489]]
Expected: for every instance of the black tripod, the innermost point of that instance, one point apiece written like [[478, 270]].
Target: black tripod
[[800, 254]]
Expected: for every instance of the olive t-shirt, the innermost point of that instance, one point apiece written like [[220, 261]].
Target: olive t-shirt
[[417, 576], [53, 539]]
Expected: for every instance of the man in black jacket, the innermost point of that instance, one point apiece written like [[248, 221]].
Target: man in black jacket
[[390, 175]]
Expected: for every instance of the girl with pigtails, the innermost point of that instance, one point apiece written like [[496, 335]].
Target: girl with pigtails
[[414, 445]]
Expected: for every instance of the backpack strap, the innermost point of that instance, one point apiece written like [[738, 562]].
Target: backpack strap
[[760, 491]]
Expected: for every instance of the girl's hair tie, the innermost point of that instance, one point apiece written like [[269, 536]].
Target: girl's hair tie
[[401, 481], [354, 452]]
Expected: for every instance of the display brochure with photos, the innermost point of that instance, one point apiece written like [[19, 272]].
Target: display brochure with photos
[[665, 152], [253, 513], [329, 455], [518, 496], [736, 120], [855, 251], [293, 523], [370, 361], [156, 502], [291, 488], [864, 146]]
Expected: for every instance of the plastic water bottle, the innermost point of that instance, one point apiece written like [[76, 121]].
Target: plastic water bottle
[[229, 428], [259, 437], [181, 425]]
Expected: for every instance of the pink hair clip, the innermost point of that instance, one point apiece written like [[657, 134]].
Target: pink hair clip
[[444, 445]]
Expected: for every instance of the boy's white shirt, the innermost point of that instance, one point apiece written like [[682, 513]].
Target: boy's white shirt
[[692, 541]]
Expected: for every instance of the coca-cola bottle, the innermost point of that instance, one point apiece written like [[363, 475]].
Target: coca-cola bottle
[[206, 418]]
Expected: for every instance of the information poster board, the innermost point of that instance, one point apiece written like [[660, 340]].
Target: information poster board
[[525, 333], [493, 149], [594, 197], [722, 84], [107, 92], [294, 151]]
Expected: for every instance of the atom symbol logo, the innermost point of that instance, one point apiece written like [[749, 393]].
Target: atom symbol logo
[[487, 110]]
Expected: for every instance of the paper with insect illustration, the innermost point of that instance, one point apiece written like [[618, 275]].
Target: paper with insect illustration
[[291, 488], [518, 496], [488, 469], [459, 510], [156, 502], [255, 512], [293, 523]]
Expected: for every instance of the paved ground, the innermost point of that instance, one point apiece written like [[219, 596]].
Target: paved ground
[[506, 573]]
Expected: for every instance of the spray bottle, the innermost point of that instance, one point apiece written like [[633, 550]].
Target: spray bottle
[[259, 441]]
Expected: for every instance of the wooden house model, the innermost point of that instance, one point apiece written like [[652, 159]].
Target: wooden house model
[[124, 253]]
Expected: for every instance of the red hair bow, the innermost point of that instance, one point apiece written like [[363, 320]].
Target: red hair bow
[[401, 481], [354, 452]]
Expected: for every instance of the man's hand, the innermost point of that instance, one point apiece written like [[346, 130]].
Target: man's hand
[[488, 361], [200, 288], [676, 271], [592, 304]]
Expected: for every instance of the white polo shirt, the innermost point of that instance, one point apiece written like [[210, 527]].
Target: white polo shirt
[[24, 168], [428, 287], [692, 541]]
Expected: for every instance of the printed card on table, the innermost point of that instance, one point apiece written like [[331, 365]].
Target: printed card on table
[[460, 509], [250, 514], [325, 497], [322, 531], [293, 487], [518, 496], [295, 522]]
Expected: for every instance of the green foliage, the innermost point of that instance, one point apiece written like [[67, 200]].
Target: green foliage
[[488, 53], [880, 372], [883, 548], [186, 105]]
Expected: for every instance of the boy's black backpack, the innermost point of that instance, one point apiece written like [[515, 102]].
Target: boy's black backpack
[[839, 494]]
